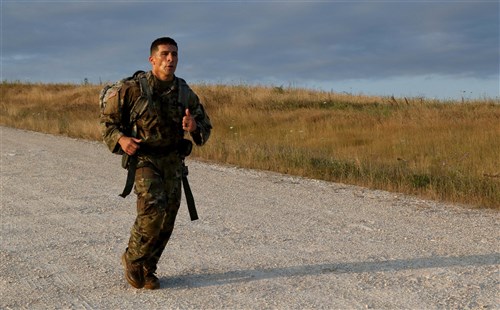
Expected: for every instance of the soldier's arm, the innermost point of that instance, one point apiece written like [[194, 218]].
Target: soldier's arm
[[111, 120], [203, 124]]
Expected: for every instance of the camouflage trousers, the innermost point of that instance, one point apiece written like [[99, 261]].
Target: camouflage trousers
[[158, 190]]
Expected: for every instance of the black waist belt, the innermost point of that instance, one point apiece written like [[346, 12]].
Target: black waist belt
[[156, 150]]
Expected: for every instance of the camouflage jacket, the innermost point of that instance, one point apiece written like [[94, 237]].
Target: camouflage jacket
[[160, 126]]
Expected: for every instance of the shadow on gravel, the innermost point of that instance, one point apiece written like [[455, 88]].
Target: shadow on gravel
[[238, 276]]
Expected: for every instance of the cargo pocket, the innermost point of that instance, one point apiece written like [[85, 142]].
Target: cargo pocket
[[149, 190], [144, 178]]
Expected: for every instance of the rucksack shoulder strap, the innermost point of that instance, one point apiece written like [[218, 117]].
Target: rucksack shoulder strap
[[183, 93], [141, 105]]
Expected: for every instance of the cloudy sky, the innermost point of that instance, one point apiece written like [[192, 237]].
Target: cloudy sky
[[436, 49]]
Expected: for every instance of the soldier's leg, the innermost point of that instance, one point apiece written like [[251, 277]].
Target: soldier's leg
[[173, 187], [151, 203]]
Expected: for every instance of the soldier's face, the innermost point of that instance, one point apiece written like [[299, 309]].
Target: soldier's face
[[164, 62]]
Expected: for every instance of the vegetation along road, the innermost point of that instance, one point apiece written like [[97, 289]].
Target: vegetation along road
[[264, 240]]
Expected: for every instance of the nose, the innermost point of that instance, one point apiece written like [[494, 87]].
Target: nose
[[170, 57]]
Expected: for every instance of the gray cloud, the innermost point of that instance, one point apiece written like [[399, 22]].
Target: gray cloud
[[253, 41]]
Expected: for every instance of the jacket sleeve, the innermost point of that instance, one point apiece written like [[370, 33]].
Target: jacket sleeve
[[112, 128], [203, 124]]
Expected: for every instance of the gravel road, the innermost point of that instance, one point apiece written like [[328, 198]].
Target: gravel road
[[263, 241]]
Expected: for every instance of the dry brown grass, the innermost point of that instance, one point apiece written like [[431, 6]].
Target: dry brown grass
[[434, 149], [54, 108]]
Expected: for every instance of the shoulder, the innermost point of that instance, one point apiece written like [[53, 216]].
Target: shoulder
[[182, 83], [186, 95], [184, 88], [130, 88]]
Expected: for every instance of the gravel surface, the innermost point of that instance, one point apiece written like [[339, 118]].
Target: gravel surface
[[264, 240]]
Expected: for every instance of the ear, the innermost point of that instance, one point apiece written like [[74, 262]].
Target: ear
[[151, 60]]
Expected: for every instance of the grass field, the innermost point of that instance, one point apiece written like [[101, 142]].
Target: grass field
[[442, 150]]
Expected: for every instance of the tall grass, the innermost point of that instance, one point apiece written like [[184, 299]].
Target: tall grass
[[52, 108], [441, 150]]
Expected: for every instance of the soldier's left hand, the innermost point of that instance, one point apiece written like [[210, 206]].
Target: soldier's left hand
[[188, 122]]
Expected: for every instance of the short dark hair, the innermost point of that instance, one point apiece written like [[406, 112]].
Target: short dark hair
[[161, 41]]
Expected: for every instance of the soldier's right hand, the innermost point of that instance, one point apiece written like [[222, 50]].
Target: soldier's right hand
[[129, 145]]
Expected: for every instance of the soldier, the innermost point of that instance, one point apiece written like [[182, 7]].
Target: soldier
[[156, 141]]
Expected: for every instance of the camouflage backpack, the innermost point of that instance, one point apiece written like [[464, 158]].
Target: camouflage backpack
[[110, 90]]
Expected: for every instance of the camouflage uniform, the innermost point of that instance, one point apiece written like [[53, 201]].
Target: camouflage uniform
[[159, 168]]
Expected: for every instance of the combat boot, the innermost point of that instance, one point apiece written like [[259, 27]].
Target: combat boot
[[151, 282], [134, 273]]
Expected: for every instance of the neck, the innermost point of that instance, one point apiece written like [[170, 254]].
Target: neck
[[162, 85], [163, 77]]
